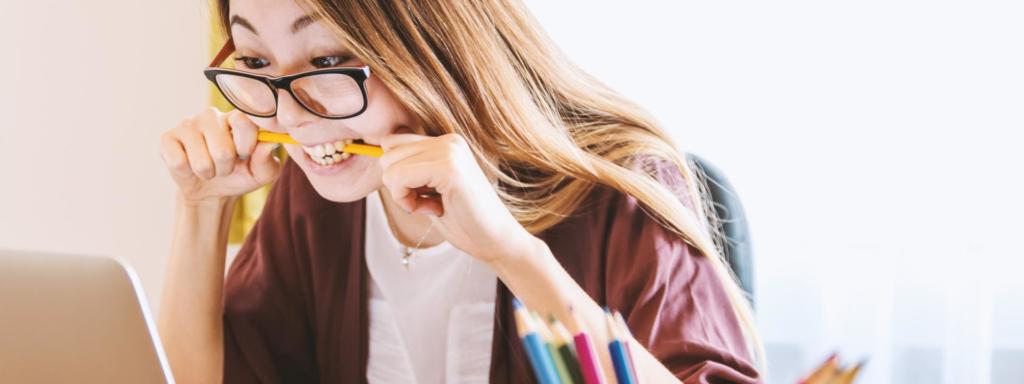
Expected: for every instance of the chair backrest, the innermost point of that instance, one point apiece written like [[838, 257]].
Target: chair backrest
[[732, 222]]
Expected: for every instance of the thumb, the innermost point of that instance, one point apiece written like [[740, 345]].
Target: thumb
[[264, 165], [243, 133]]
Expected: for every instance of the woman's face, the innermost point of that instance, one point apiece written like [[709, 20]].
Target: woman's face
[[278, 38]]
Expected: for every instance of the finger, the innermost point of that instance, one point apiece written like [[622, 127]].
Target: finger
[[449, 143], [401, 197], [243, 132], [173, 154], [431, 206], [405, 179], [416, 202], [396, 139], [219, 143], [198, 156], [264, 166], [402, 152], [420, 200]]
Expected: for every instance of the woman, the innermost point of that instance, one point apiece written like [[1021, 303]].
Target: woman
[[506, 171]]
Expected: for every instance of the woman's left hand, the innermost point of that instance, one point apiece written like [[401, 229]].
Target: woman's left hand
[[468, 211]]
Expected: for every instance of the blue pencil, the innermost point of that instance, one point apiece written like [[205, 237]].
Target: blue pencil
[[624, 329], [536, 351], [617, 349]]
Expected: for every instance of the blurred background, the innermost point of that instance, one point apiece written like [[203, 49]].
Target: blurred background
[[874, 144]]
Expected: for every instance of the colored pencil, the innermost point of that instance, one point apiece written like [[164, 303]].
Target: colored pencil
[[628, 336], [563, 343], [847, 376], [549, 342], [356, 149], [824, 373], [590, 368], [536, 352], [617, 349]]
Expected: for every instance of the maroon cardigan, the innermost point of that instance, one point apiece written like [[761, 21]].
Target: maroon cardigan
[[295, 305]]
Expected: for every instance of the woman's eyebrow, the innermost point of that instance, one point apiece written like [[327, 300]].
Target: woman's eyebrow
[[301, 22], [241, 21]]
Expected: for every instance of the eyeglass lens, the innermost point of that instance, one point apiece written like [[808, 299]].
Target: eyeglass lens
[[326, 94]]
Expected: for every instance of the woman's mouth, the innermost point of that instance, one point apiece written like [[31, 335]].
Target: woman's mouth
[[328, 154]]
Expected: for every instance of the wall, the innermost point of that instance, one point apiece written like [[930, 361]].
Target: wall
[[88, 88], [876, 147]]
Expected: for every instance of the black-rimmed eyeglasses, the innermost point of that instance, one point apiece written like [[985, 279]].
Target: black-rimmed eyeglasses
[[331, 93]]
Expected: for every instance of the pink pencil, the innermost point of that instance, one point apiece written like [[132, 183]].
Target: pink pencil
[[586, 354], [588, 359]]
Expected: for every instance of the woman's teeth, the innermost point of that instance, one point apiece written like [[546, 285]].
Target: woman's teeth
[[328, 153]]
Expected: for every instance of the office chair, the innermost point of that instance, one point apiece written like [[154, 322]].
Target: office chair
[[732, 223]]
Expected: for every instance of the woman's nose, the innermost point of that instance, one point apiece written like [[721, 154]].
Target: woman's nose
[[290, 113]]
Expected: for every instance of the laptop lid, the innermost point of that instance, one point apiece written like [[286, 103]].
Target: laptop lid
[[80, 319]]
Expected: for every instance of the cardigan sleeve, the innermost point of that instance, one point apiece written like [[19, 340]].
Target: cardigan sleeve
[[267, 336], [671, 297]]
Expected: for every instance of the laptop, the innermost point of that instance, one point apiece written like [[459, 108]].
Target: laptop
[[75, 319]]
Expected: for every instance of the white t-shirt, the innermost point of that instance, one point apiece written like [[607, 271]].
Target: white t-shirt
[[432, 323]]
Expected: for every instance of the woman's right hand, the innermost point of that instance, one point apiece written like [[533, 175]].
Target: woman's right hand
[[215, 155]]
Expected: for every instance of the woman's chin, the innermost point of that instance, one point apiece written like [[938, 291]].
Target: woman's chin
[[342, 193]]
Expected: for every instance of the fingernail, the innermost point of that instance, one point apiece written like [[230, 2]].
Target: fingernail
[[243, 157]]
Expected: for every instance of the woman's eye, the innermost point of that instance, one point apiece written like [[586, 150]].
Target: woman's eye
[[328, 61], [252, 62]]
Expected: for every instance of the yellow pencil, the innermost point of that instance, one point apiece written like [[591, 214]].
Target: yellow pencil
[[847, 376], [824, 374], [356, 149]]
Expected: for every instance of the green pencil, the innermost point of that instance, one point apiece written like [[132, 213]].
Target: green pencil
[[565, 349], [548, 337]]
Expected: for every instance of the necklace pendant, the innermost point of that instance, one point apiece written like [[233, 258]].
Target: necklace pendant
[[405, 258]]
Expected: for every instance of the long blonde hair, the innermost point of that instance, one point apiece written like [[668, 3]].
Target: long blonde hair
[[485, 69]]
